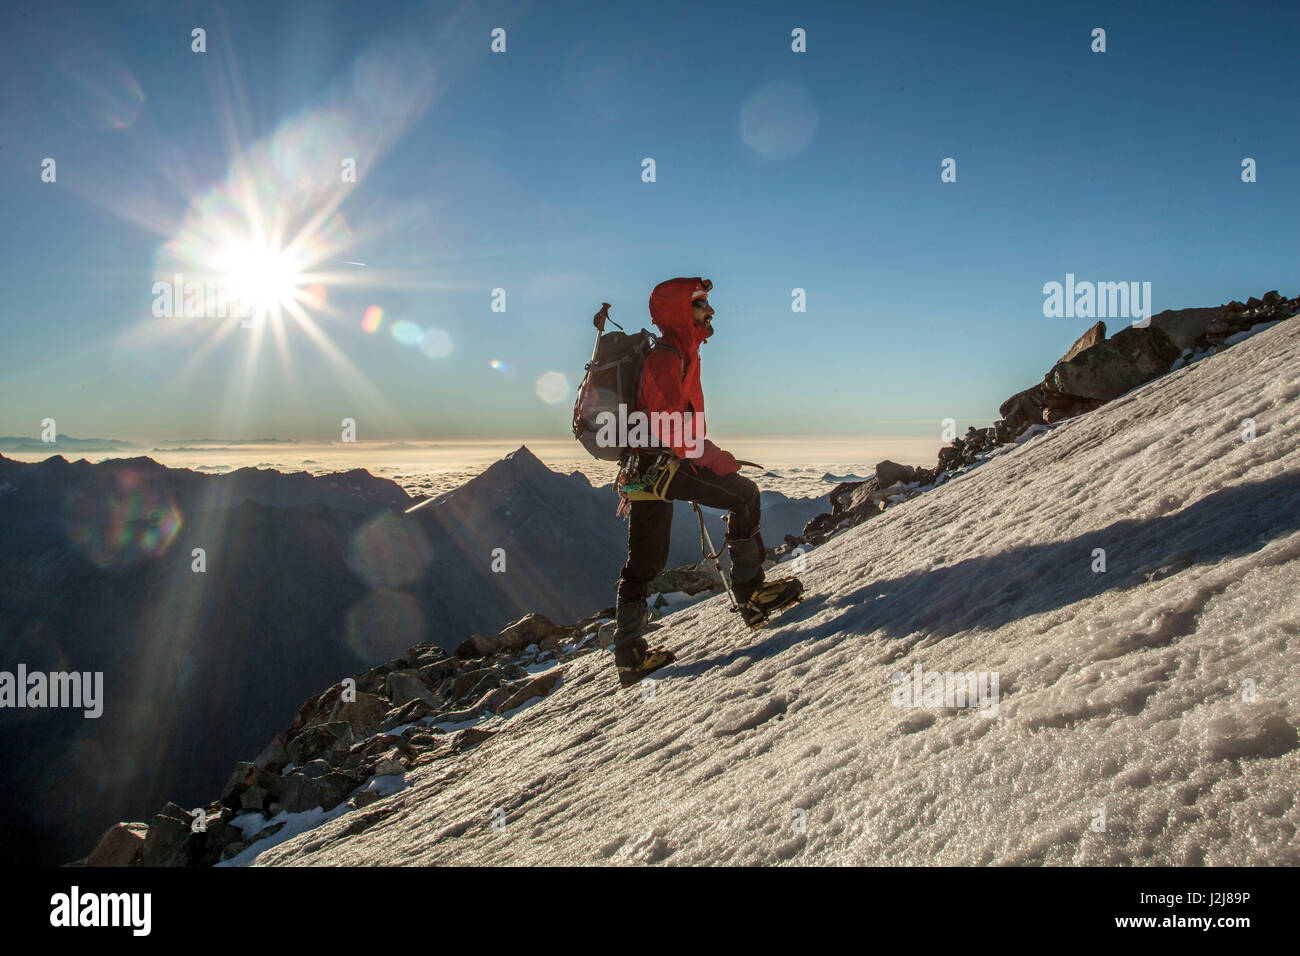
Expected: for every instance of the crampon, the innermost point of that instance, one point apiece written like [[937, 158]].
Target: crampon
[[652, 660], [770, 597]]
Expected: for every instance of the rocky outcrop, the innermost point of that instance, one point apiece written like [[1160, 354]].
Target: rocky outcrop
[[530, 629], [1093, 371], [1108, 369], [121, 845], [1023, 409], [699, 578], [891, 472], [1186, 326], [1238, 317], [379, 723], [851, 503], [1094, 336]]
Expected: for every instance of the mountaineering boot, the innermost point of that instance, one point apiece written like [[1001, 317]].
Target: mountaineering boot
[[632, 655], [769, 597], [757, 598], [644, 663], [747, 556]]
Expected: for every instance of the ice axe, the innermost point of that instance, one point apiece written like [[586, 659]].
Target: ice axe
[[599, 320], [706, 545]]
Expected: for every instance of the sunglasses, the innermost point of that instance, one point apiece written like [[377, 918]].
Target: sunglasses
[[701, 303]]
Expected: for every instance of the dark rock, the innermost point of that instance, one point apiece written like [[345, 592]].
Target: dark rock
[[529, 629], [363, 715], [435, 672], [1060, 407], [469, 737], [121, 845], [1021, 410], [302, 792], [473, 646], [409, 713], [373, 680], [820, 525], [1086, 341], [251, 787], [404, 686], [854, 502], [391, 761], [315, 769], [1128, 359], [588, 622], [539, 686], [1186, 326], [470, 681], [274, 756], [321, 741], [699, 578], [891, 472], [949, 457], [425, 654], [207, 847], [165, 843]]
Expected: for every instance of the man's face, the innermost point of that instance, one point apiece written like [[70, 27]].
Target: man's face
[[703, 313]]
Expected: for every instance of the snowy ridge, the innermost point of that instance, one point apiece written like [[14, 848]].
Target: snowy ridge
[[1146, 715]]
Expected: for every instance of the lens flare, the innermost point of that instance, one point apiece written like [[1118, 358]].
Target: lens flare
[[405, 332], [314, 296], [122, 518], [383, 623], [436, 343], [389, 552], [95, 90], [552, 387], [371, 319]]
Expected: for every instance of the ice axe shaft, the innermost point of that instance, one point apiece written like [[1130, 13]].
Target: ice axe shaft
[[706, 545]]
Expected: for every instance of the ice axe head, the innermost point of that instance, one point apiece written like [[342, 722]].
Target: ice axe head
[[601, 317]]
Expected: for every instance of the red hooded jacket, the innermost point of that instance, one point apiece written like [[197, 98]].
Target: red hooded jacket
[[664, 388]]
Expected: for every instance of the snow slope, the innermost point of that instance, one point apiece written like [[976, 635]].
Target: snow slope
[[1124, 694]]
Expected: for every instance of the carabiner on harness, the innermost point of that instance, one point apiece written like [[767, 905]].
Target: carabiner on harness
[[650, 483]]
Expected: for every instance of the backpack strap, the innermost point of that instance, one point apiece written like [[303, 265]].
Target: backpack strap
[[661, 344]]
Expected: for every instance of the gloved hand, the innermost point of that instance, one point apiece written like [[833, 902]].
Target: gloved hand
[[718, 461]]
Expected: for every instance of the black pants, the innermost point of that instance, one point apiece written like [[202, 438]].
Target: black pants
[[650, 523]]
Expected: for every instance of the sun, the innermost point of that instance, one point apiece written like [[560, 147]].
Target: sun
[[264, 278]]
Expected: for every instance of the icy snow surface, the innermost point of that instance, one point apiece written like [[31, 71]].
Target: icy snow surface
[[1147, 713]]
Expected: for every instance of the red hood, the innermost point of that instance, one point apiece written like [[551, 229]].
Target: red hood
[[670, 310]]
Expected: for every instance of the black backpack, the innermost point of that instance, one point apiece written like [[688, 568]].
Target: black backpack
[[612, 378]]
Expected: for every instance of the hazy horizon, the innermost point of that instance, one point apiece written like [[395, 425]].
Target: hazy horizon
[[795, 468]]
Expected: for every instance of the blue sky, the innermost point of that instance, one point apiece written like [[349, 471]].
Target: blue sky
[[522, 170]]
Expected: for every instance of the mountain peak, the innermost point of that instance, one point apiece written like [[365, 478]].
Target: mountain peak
[[523, 456], [520, 465]]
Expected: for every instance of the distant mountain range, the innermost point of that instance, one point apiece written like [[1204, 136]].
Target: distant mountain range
[[62, 443], [305, 578]]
